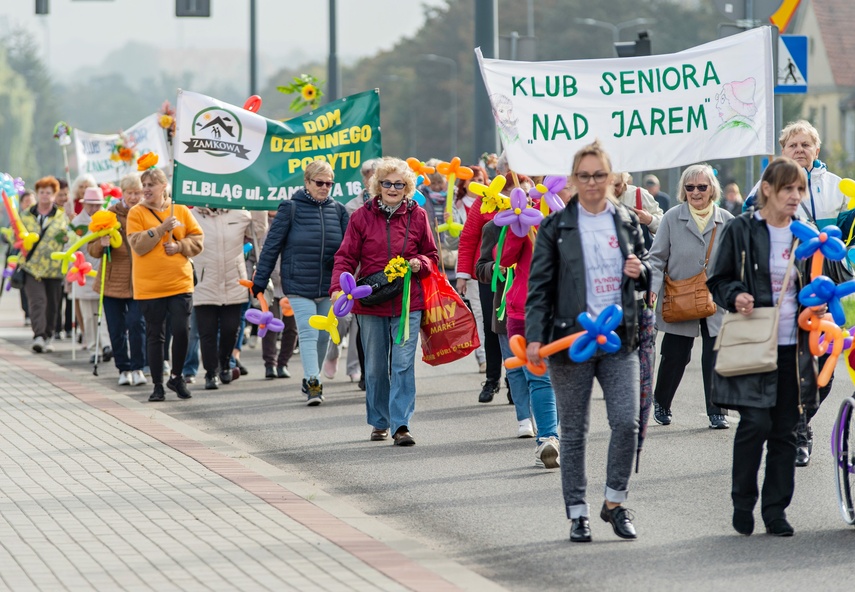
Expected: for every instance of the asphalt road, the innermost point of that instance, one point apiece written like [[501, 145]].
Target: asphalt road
[[469, 487]]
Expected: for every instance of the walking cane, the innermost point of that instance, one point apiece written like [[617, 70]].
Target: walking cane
[[100, 311]]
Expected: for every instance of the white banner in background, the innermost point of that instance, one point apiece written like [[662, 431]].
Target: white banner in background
[[93, 150], [651, 112]]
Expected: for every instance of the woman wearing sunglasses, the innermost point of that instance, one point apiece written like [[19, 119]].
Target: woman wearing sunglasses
[[389, 225], [306, 233], [685, 243]]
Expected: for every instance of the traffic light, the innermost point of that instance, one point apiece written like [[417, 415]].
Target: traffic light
[[42, 7], [639, 47], [192, 7]]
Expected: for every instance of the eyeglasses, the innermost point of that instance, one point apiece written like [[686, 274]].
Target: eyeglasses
[[701, 188], [323, 183], [397, 185], [598, 177]]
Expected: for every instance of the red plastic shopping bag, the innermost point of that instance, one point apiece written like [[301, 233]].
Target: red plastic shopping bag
[[448, 327]]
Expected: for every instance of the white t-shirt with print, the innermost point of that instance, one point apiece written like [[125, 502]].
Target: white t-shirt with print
[[781, 243], [603, 259]]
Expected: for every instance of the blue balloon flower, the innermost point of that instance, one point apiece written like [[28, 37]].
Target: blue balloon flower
[[418, 196], [599, 334], [823, 291], [829, 241]]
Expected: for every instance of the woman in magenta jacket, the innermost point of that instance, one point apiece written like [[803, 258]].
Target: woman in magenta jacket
[[389, 225]]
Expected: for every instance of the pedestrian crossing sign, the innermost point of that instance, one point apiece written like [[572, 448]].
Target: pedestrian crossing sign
[[792, 65]]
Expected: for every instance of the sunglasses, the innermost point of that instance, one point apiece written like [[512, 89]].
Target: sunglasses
[[322, 183], [701, 188], [397, 185], [599, 177]]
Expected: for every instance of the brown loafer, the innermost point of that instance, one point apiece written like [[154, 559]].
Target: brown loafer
[[378, 435], [403, 438]]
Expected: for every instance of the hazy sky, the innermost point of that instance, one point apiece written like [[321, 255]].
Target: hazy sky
[[80, 33]]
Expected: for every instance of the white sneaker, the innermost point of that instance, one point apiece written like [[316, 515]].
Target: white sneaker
[[138, 378], [166, 367], [124, 378], [546, 455], [253, 341], [39, 345], [525, 429], [330, 368], [48, 346]]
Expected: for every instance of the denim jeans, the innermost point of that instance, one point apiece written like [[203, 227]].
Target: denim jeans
[[191, 361], [127, 332], [390, 372], [313, 343], [536, 395]]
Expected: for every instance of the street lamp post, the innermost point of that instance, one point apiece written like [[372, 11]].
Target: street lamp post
[[615, 29], [431, 57]]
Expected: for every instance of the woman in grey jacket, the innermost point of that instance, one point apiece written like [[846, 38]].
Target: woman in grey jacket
[[685, 236]]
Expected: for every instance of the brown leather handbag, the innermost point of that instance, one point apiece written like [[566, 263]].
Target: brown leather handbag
[[689, 299]]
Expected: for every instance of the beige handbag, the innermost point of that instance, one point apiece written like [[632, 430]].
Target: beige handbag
[[749, 344]]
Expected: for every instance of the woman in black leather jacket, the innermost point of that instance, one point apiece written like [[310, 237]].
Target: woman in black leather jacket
[[748, 272], [587, 257]]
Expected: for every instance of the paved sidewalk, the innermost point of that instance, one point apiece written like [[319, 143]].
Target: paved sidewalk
[[100, 492]]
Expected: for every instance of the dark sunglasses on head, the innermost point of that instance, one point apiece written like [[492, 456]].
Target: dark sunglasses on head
[[397, 185], [323, 183], [701, 188]]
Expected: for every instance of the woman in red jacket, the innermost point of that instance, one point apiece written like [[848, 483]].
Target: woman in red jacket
[[389, 225], [467, 254]]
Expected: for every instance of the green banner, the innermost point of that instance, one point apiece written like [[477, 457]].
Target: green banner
[[227, 157]]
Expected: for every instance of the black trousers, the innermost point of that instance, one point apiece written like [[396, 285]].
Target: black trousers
[[491, 341], [675, 355], [776, 428], [218, 333], [63, 321], [155, 312], [289, 339]]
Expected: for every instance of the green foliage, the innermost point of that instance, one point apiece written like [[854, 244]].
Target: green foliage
[[16, 123]]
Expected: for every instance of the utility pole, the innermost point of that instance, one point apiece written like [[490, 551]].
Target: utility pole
[[333, 73], [253, 62], [484, 138]]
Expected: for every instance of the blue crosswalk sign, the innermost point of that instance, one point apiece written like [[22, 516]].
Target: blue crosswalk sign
[[792, 72]]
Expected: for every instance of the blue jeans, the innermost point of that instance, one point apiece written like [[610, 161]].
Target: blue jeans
[[127, 332], [313, 343], [191, 362], [390, 372], [535, 391]]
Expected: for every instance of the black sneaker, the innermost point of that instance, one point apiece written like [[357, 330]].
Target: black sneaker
[[718, 422], [241, 367], [490, 390], [211, 383], [157, 394], [305, 388], [269, 373], [661, 415], [177, 384], [314, 392], [108, 353], [802, 456], [282, 372], [362, 383]]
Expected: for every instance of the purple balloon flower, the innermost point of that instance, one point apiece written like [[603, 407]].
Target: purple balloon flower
[[265, 321], [350, 292], [20, 187], [552, 184], [520, 217]]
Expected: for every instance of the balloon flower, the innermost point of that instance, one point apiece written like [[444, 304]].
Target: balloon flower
[[492, 199], [80, 270], [598, 334], [327, 323], [253, 104], [104, 223], [422, 171], [350, 292], [547, 193], [147, 161], [847, 188], [23, 239], [520, 217], [822, 291], [263, 318], [452, 171]]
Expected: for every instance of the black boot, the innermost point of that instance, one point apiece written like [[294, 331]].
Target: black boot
[[491, 388]]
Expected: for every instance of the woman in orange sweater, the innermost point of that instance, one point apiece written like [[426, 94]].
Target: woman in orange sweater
[[163, 236]]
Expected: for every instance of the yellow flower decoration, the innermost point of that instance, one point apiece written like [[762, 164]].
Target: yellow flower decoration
[[396, 268], [166, 121], [491, 198], [308, 92], [102, 220], [147, 161]]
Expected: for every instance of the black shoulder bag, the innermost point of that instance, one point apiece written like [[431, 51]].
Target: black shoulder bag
[[382, 290]]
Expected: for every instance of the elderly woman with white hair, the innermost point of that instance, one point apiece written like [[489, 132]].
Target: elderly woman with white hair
[[307, 231], [685, 241], [389, 225]]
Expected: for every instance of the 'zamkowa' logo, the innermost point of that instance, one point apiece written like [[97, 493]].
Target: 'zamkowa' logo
[[216, 132]]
